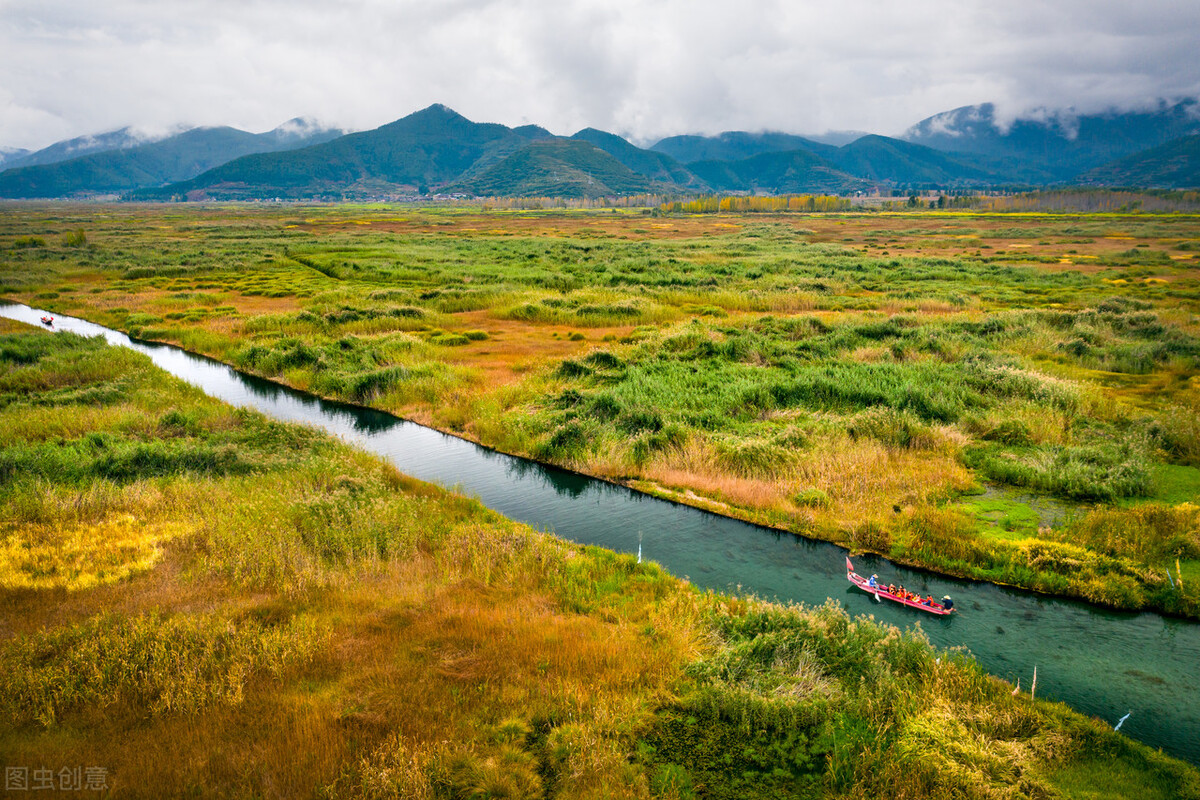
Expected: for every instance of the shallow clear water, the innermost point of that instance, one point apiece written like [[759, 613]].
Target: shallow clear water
[[1102, 663]]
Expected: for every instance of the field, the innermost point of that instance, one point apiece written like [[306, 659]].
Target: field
[[197, 601], [861, 378]]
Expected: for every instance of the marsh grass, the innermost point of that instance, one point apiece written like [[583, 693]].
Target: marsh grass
[[322, 625], [160, 664], [744, 358]]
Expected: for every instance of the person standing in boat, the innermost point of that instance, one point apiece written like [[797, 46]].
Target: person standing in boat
[[873, 581]]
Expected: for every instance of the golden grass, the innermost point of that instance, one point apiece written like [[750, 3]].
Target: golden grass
[[864, 480], [82, 556]]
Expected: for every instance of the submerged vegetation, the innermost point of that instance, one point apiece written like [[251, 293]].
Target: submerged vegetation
[[298, 619]]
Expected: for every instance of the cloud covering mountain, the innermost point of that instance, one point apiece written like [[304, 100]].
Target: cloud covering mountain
[[645, 70]]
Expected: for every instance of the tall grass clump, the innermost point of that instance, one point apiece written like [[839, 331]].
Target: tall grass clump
[[1152, 534], [157, 663], [943, 537], [892, 428], [754, 458], [1103, 472]]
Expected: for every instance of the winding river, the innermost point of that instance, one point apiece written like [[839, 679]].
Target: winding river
[[1101, 662]]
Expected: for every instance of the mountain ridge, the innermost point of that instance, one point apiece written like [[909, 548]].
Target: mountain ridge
[[128, 164], [438, 149]]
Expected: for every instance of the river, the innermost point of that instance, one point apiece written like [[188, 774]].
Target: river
[[1102, 663]]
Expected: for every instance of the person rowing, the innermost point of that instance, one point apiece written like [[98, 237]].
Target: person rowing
[[895, 592]]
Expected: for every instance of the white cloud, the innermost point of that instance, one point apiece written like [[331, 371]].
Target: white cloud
[[644, 68]]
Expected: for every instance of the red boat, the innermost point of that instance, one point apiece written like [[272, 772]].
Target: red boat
[[47, 320], [881, 592]]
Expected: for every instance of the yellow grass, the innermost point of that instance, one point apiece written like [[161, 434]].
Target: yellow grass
[[77, 557]]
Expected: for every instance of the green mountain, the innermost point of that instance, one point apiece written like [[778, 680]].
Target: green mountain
[[429, 148], [1054, 146], [1174, 165], [654, 165], [735, 146], [130, 166], [794, 172], [122, 139], [880, 158], [12, 156], [556, 168]]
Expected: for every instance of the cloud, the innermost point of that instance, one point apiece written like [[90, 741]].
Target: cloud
[[644, 68]]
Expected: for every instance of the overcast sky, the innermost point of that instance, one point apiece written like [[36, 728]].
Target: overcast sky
[[642, 68]]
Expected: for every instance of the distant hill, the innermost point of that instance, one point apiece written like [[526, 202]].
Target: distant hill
[[797, 171], [429, 148], [880, 158], [174, 158], [734, 146], [653, 165], [1054, 146], [82, 146], [11, 155], [556, 168], [1174, 165], [438, 150]]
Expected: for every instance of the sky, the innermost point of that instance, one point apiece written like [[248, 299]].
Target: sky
[[641, 68]]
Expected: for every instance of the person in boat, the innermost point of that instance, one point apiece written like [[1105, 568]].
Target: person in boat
[[947, 603], [891, 588], [873, 581]]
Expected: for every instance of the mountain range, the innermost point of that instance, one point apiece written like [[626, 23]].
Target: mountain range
[[120, 161], [439, 150]]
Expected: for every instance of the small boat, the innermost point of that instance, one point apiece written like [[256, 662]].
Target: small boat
[[47, 321], [881, 592]]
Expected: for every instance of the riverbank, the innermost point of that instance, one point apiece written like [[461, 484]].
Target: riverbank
[[291, 617], [750, 367]]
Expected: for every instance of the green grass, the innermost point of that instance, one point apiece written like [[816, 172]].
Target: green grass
[[1004, 518], [323, 626], [736, 359], [1177, 483]]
